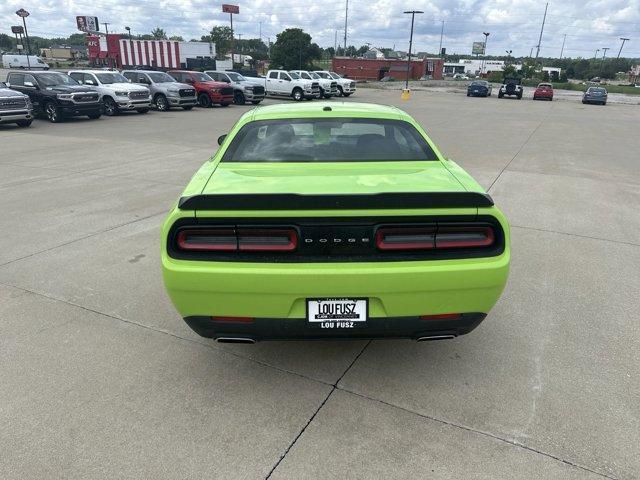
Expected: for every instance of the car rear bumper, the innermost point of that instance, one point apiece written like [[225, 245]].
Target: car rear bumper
[[479, 93], [280, 291], [259, 329]]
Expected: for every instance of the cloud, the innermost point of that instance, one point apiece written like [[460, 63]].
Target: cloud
[[513, 24]]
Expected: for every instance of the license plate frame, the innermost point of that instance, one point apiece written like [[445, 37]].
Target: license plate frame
[[356, 318]]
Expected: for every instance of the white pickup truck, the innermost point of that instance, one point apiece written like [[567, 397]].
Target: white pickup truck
[[328, 88], [280, 83], [346, 87]]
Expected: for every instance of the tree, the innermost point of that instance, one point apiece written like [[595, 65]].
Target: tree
[[6, 42], [293, 50], [177, 38], [158, 34], [222, 37]]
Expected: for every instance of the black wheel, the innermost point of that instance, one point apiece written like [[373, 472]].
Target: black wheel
[[328, 95], [604, 103], [143, 110], [297, 94], [238, 98], [52, 112], [204, 100], [340, 91], [500, 95], [188, 108], [94, 116], [256, 102], [346, 94], [110, 107], [468, 94], [162, 104], [24, 123]]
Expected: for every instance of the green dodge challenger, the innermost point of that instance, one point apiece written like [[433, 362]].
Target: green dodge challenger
[[324, 221]]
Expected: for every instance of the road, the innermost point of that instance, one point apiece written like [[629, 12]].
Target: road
[[102, 379]]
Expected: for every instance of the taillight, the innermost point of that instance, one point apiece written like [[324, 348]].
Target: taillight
[[267, 240], [233, 240], [405, 238], [214, 240], [464, 237], [439, 238]]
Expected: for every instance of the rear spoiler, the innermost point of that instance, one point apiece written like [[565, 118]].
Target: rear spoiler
[[294, 201]]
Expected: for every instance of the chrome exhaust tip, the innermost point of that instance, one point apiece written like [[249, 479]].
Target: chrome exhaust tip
[[235, 340], [435, 337]]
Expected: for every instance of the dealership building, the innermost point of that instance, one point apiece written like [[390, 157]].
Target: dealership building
[[377, 68]]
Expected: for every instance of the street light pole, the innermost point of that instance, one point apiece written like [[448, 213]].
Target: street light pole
[[22, 13], [413, 16], [623, 40], [486, 38], [562, 49], [596, 54], [441, 35]]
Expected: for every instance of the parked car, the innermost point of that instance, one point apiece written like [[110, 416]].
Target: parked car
[[244, 90], [23, 61], [56, 95], [209, 92], [286, 232], [15, 107], [346, 87], [479, 88], [118, 94], [543, 91], [280, 83], [595, 95], [165, 91], [460, 76], [328, 87], [511, 87]]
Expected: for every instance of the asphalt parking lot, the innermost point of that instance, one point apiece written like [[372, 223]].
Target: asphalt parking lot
[[100, 378]]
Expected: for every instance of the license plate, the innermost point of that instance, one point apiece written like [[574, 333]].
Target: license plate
[[337, 312]]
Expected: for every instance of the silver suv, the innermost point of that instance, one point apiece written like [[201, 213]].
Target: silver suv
[[15, 107], [244, 90], [165, 91]]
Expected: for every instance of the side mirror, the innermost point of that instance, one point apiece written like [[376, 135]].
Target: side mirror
[[29, 84], [221, 139]]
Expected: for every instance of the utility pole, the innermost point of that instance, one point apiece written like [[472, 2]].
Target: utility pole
[[441, 34], [531, 52], [335, 44], [346, 16], [541, 30], [413, 16], [623, 40], [562, 49], [604, 52], [596, 54], [260, 22]]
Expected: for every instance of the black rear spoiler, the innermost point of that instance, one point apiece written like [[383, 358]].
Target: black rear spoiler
[[294, 201]]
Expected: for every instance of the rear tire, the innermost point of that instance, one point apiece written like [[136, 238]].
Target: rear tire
[[238, 98], [204, 100], [500, 95], [94, 116], [24, 123]]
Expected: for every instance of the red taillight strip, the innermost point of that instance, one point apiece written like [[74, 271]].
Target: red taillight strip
[[233, 240], [464, 237], [214, 240], [267, 240], [405, 238]]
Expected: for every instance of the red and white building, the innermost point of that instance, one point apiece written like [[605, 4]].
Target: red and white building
[[116, 51]]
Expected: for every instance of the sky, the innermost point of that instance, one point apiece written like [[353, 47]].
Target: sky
[[512, 24]]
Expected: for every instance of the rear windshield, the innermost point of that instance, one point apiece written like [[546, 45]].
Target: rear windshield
[[328, 140]]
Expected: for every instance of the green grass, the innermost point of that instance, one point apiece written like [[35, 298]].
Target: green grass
[[581, 88]]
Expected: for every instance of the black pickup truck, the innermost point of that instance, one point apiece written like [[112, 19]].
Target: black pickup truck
[[56, 95]]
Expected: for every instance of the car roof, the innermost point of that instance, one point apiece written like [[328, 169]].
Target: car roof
[[93, 71], [337, 109]]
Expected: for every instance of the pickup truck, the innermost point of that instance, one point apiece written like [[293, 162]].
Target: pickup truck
[[328, 87], [346, 87], [209, 92], [117, 93], [56, 95], [15, 107], [244, 90], [280, 83], [165, 91]]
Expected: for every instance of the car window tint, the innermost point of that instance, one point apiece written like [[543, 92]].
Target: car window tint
[[273, 75], [77, 76], [328, 140], [16, 79]]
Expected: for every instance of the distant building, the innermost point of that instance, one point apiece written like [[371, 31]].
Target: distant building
[[374, 54], [376, 69], [57, 53]]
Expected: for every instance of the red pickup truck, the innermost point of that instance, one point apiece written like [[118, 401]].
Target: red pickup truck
[[207, 90]]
